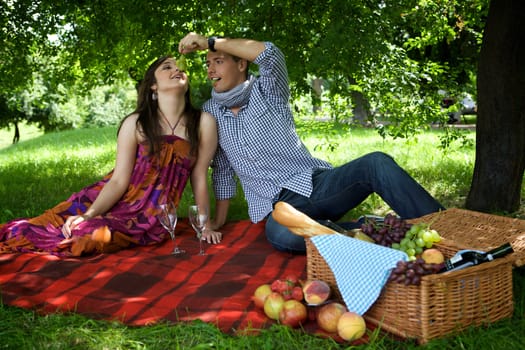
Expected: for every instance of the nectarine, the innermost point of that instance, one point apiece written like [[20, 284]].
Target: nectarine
[[260, 294], [316, 292], [293, 313], [351, 326], [328, 316], [273, 305], [433, 256]]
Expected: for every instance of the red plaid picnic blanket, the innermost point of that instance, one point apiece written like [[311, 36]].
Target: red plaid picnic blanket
[[145, 285]]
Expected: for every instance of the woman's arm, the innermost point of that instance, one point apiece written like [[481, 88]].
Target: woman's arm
[[118, 183], [199, 175]]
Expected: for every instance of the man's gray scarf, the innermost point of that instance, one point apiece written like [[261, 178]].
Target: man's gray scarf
[[236, 97]]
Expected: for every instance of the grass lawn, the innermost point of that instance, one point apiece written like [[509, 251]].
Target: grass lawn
[[43, 170]]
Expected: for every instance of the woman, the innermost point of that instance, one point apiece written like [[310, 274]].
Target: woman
[[161, 145]]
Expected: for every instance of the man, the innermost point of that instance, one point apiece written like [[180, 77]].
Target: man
[[258, 143]]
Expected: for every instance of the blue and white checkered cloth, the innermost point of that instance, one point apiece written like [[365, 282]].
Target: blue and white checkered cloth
[[360, 268]]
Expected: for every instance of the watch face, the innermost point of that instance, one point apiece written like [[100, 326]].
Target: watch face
[[211, 43]]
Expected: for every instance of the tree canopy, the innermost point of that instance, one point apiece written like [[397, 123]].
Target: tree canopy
[[389, 58], [395, 54]]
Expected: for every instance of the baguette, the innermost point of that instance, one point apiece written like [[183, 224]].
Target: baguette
[[298, 222]]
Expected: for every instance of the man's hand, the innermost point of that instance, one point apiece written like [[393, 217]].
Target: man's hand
[[193, 42]]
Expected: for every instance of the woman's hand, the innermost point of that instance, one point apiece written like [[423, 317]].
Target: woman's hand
[[214, 225], [211, 236], [71, 223]]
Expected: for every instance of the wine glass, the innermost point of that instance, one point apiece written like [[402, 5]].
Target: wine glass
[[198, 217], [168, 219]]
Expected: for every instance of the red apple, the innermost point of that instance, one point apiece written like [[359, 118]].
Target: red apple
[[273, 305], [316, 292], [293, 313], [351, 326], [328, 316], [260, 294]]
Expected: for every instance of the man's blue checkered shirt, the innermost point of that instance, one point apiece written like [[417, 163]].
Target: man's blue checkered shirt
[[260, 145]]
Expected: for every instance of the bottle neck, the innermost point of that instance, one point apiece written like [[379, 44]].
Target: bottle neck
[[500, 251]]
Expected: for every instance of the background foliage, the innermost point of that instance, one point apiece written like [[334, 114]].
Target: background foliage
[[387, 58]]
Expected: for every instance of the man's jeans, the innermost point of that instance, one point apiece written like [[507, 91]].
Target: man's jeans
[[338, 190]]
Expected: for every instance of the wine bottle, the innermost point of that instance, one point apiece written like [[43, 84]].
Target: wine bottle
[[466, 258]]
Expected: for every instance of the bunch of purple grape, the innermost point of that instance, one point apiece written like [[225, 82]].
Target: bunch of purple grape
[[410, 272], [392, 229]]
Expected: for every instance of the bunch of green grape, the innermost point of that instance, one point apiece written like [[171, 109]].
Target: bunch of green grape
[[182, 64], [418, 238]]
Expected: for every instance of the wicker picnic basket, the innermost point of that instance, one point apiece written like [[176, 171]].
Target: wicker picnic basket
[[448, 302]]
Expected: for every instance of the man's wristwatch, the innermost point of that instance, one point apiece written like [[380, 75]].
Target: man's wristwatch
[[211, 43]]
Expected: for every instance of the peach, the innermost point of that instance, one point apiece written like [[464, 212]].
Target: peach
[[433, 256], [351, 326], [316, 292], [273, 305], [293, 313], [328, 316], [101, 234], [260, 294]]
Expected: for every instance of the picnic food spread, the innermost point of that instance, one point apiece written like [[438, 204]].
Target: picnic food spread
[[442, 303], [294, 303], [393, 232], [416, 240]]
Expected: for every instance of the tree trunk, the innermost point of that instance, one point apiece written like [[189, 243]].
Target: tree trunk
[[500, 136], [317, 87], [361, 110], [361, 107], [16, 138]]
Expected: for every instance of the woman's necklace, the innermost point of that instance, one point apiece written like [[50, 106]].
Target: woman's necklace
[[169, 124]]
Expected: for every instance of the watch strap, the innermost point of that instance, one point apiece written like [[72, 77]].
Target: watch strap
[[211, 43]]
